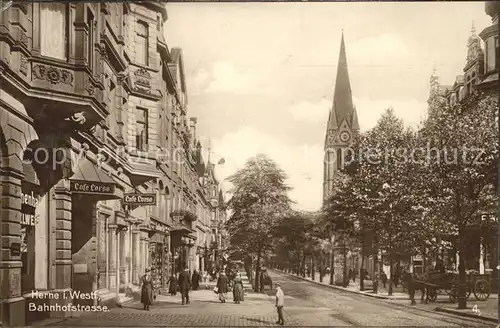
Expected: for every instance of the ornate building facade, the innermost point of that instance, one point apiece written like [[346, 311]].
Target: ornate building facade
[[480, 73], [97, 172]]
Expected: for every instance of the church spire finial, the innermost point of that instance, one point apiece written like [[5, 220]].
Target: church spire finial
[[473, 29], [342, 97], [209, 149]]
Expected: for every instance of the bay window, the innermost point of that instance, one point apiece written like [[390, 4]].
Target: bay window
[[141, 138], [142, 43], [53, 35], [90, 39]]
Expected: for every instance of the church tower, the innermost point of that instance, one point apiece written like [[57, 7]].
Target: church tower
[[342, 124]]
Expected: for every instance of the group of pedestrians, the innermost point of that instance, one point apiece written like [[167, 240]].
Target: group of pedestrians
[[183, 283], [223, 283]]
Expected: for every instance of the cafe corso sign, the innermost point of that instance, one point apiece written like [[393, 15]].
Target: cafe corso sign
[[86, 187], [139, 199]]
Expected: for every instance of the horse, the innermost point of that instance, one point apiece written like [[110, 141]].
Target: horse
[[414, 282], [266, 281]]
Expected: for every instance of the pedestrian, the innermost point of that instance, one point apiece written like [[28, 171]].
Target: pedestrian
[[147, 290], [206, 279], [384, 278], [195, 280], [280, 302], [222, 286], [354, 272], [172, 285], [238, 294], [185, 285]]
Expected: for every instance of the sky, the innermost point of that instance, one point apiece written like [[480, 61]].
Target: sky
[[260, 76]]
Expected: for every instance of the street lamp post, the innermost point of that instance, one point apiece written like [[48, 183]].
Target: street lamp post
[[332, 258], [345, 279]]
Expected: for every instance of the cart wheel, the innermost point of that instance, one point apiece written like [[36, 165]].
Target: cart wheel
[[453, 295], [432, 295], [482, 290]]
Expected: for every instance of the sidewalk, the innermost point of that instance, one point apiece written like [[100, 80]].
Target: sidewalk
[[485, 310]]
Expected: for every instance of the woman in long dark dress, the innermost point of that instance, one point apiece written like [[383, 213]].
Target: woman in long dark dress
[[172, 285], [195, 280], [237, 288], [147, 290]]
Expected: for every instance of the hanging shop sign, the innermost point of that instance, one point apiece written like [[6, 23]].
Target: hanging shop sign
[[89, 187], [29, 202], [139, 199]]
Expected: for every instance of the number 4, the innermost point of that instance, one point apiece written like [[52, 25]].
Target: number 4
[[476, 310]]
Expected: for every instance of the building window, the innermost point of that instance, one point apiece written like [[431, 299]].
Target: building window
[[90, 40], [112, 108], [53, 34], [491, 46], [339, 158], [497, 53], [486, 58], [141, 138], [142, 43]]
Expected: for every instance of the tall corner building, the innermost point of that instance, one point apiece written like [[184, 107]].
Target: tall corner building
[[342, 124]]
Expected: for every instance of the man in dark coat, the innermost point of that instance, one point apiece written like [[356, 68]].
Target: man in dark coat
[[185, 285]]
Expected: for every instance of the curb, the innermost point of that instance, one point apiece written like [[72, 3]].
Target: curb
[[437, 309], [340, 288], [465, 314]]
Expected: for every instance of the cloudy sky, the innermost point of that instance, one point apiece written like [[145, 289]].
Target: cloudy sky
[[260, 77]]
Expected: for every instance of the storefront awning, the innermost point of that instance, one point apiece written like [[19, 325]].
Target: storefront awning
[[30, 175], [179, 228], [91, 180]]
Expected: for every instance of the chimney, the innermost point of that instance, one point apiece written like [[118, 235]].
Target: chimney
[[192, 129]]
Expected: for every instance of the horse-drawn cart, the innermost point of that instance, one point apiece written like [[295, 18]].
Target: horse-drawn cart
[[448, 283]]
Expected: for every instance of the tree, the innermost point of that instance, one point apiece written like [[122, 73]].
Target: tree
[[293, 236], [258, 203], [468, 133]]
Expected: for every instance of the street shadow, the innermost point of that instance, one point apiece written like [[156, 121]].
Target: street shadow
[[255, 320]]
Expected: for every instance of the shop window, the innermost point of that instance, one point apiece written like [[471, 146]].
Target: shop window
[[141, 138], [53, 35], [28, 257], [29, 219], [102, 250], [142, 43]]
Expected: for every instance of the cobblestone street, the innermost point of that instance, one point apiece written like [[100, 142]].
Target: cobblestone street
[[306, 304]]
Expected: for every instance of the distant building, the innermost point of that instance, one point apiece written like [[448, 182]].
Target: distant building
[[482, 66]]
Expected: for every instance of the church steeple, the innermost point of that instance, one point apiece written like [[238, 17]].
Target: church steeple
[[343, 125], [343, 107]]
